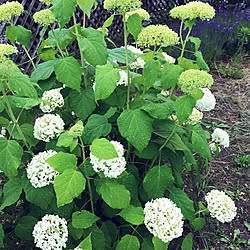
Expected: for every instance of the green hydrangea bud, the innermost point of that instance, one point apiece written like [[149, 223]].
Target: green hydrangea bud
[[76, 130], [9, 10], [156, 35], [44, 17], [122, 6], [195, 117], [193, 10], [144, 15], [7, 49], [194, 79]]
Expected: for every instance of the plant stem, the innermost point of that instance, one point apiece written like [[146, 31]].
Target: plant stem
[[30, 58], [57, 44], [183, 43]]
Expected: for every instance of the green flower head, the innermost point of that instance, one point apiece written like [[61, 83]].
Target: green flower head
[[47, 2], [144, 15], [9, 10], [156, 35], [7, 68], [44, 17], [193, 10], [76, 130], [193, 79], [122, 6], [7, 49]]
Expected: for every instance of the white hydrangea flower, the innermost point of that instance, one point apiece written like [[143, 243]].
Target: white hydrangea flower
[[163, 219], [207, 102], [220, 206], [168, 58], [214, 147], [51, 100], [195, 117], [111, 168], [48, 127], [51, 233], [221, 137], [3, 132], [139, 62], [123, 78], [39, 172]]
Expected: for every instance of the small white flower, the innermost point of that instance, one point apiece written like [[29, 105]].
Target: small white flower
[[51, 100], [220, 206], [168, 58], [138, 62], [123, 78], [214, 147], [221, 137], [51, 233], [207, 102], [3, 132], [48, 127], [111, 168], [163, 219], [39, 172], [195, 117]]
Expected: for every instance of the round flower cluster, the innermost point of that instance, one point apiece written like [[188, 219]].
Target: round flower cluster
[[193, 10], [9, 10], [144, 15], [7, 49], [122, 6], [48, 127], [207, 102], [138, 62], [76, 130], [47, 2], [220, 206], [221, 137], [194, 79], [195, 117], [111, 168], [51, 233], [156, 35], [44, 17], [51, 100], [39, 172], [168, 58], [163, 219]]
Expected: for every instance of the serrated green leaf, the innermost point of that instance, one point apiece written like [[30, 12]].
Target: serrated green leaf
[[65, 140], [196, 41], [86, 244], [187, 243], [76, 233], [19, 34], [151, 73], [97, 126], [187, 64], [134, 24], [106, 80], [97, 237], [62, 161], [114, 194], [83, 103], [68, 186], [157, 180], [136, 127], [133, 215], [198, 223], [86, 5], [25, 226], [63, 10], [60, 37], [103, 149], [200, 61], [68, 71], [128, 242], [201, 145], [159, 244], [24, 102], [83, 219], [10, 156]]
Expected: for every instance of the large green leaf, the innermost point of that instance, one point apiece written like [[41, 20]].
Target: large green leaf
[[83, 219], [103, 149], [200, 61], [150, 73], [96, 127], [83, 103], [133, 215], [43, 71], [157, 180], [68, 71], [68, 186], [21, 85], [60, 37], [86, 244], [187, 243], [1, 235], [86, 5], [114, 194], [63, 10], [12, 190], [181, 199], [134, 24], [201, 145], [10, 156], [159, 244], [24, 227], [128, 242], [136, 127], [23, 102], [62, 161], [19, 34], [97, 237], [106, 80], [198, 223]]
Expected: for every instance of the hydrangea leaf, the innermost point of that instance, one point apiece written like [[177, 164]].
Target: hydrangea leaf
[[136, 127], [83, 219], [24, 102], [25, 226], [86, 5], [68, 71], [157, 180], [1, 235], [63, 10], [106, 80], [10, 156], [128, 242], [198, 223], [86, 244], [97, 126], [159, 244], [200, 61], [151, 73], [134, 24], [114, 194], [187, 243], [196, 41], [97, 237], [60, 37], [133, 215], [103, 149], [68, 186]]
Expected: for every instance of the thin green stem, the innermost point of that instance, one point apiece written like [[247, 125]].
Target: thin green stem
[[30, 58], [184, 43], [57, 44]]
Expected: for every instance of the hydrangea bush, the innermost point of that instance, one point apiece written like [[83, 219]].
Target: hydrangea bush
[[96, 151]]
